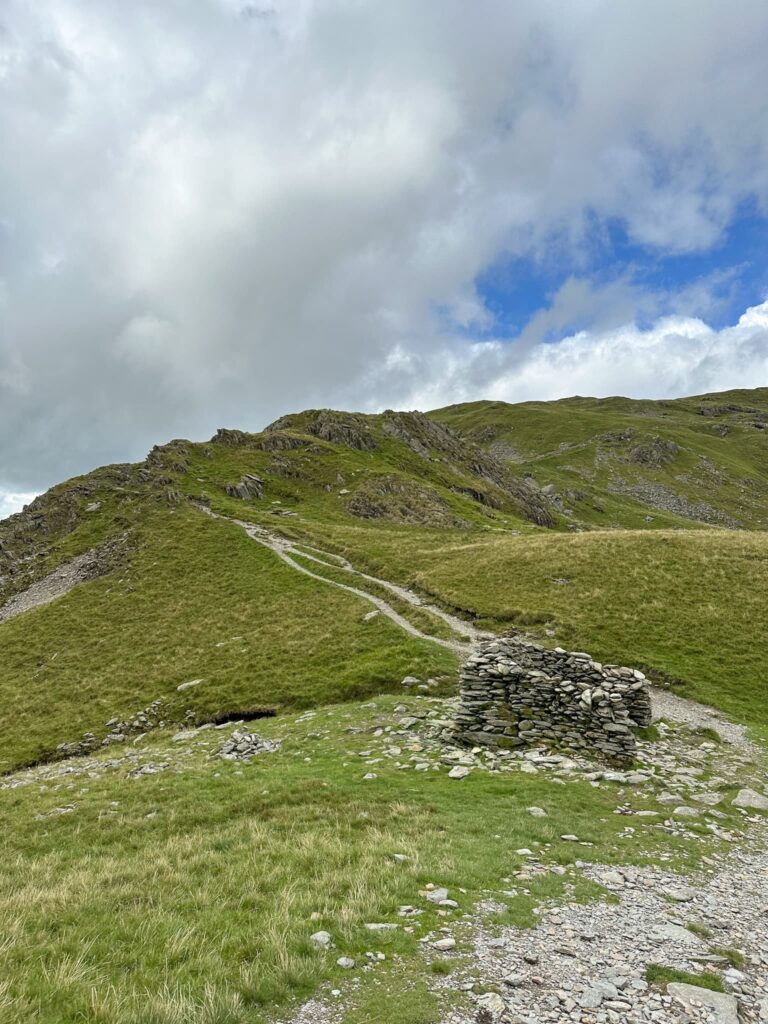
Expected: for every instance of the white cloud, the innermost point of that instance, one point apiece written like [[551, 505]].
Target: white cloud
[[11, 502], [676, 356], [218, 212]]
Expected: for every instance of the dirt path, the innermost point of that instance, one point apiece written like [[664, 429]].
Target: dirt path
[[699, 716], [665, 704], [287, 551]]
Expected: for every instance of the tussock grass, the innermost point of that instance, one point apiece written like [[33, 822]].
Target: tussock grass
[[208, 904], [657, 974]]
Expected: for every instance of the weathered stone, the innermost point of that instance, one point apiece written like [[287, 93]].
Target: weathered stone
[[750, 800], [249, 486], [492, 1003], [514, 692], [724, 1007]]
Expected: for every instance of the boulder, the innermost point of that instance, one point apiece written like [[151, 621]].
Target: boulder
[[724, 1008], [750, 800], [249, 486]]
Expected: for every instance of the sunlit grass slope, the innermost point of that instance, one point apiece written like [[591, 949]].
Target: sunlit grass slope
[[195, 599], [688, 605]]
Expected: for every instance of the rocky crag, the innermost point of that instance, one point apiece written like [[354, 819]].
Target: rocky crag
[[515, 693]]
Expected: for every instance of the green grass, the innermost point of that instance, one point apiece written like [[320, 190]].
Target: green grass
[[661, 976], [191, 895], [583, 447], [188, 897], [685, 605], [699, 929], [198, 599], [421, 618], [733, 956]]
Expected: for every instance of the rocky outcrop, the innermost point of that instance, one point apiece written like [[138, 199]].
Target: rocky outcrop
[[401, 500], [657, 451], [515, 693], [348, 428], [88, 566], [230, 438], [249, 486], [280, 441], [433, 440]]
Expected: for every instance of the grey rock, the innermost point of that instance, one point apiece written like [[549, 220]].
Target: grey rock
[[675, 933], [591, 999], [321, 939], [723, 1006], [186, 686], [750, 800], [679, 893], [493, 1003]]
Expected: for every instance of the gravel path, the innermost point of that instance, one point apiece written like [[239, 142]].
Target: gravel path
[[287, 551], [698, 716], [665, 704], [587, 964]]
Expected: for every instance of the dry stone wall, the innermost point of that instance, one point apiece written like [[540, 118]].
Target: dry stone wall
[[515, 693]]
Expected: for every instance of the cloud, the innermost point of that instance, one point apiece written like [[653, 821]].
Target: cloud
[[675, 356], [217, 212], [11, 502]]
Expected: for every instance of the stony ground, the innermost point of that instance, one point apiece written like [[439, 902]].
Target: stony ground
[[58, 583], [588, 963], [583, 963]]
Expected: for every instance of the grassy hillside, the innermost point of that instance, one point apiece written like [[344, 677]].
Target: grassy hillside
[[687, 606], [189, 895], [614, 461], [154, 882], [182, 596], [195, 598]]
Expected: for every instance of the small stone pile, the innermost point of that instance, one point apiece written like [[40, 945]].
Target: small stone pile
[[243, 745], [516, 693], [150, 717]]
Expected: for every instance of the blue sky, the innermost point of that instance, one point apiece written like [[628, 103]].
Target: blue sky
[[717, 282]]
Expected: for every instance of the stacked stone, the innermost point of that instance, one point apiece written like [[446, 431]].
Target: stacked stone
[[243, 745], [149, 718], [515, 693]]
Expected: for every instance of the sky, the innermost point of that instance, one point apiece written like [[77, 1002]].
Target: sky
[[214, 212]]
